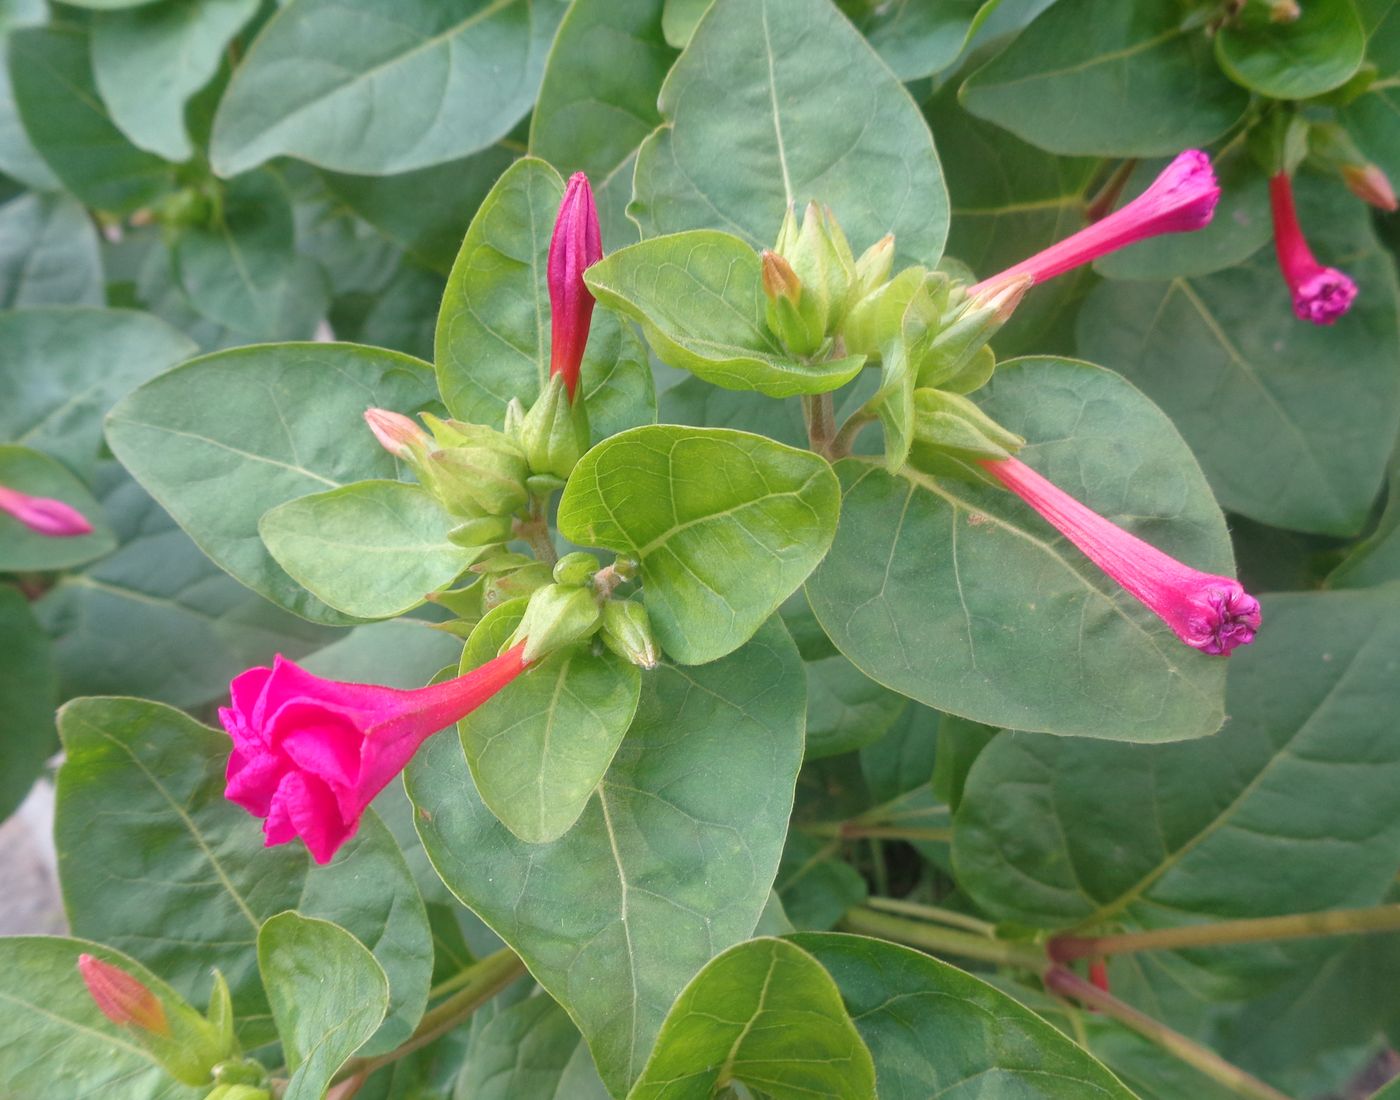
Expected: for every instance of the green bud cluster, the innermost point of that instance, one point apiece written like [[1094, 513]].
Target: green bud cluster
[[553, 435]]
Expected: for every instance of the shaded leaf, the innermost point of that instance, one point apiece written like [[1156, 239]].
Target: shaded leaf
[[51, 255]]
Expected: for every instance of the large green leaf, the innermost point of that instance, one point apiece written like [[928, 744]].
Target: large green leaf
[[328, 995], [1293, 806], [148, 61], [27, 690], [64, 117], [756, 123], [530, 1049], [53, 1039], [1292, 422], [354, 86], [62, 369], [18, 158], [23, 550], [592, 118], [226, 437], [539, 748], [958, 595], [934, 1030], [699, 298], [1150, 77], [494, 329], [670, 864], [371, 549], [764, 1014], [845, 708], [1319, 50], [916, 38], [171, 853], [51, 254], [725, 526], [157, 618]]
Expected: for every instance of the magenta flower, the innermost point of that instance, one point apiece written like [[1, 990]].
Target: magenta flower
[[44, 514], [310, 754], [1180, 199], [1211, 613], [576, 245], [1320, 294]]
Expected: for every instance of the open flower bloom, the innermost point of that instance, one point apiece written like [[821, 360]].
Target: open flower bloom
[[1320, 294], [44, 514], [1180, 199], [1211, 613], [576, 245], [310, 754]]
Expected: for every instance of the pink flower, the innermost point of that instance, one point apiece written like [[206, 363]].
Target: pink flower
[[1211, 613], [44, 514], [1180, 199], [121, 997], [1320, 294], [310, 754], [576, 245]]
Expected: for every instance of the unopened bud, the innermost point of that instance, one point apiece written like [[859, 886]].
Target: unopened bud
[[473, 470], [575, 569], [515, 417], [576, 244], [873, 268], [396, 433], [1369, 184], [950, 422], [1284, 11], [512, 584], [953, 347], [239, 1092], [878, 317], [544, 485], [779, 279], [557, 616], [122, 997], [482, 531], [626, 631], [555, 432]]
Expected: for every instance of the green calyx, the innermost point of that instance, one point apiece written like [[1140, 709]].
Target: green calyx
[[626, 630], [951, 423], [558, 615], [474, 471], [554, 433]]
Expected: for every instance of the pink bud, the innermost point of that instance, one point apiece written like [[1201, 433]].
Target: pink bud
[[1320, 294], [122, 998], [576, 245], [44, 514], [396, 433], [1180, 199], [1369, 184], [1208, 612]]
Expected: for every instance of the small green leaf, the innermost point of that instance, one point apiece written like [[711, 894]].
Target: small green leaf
[[18, 158], [262, 425], [328, 995], [845, 708], [699, 297], [23, 550], [725, 525], [1154, 87], [764, 1014], [756, 123], [815, 885], [1314, 53], [51, 255], [1376, 559], [371, 549], [539, 748], [916, 38], [355, 87], [530, 1049], [27, 690]]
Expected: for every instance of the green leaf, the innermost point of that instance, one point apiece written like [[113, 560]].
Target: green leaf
[[1318, 51], [350, 86], [62, 369], [815, 885], [53, 1039], [696, 402], [1292, 422], [196, 626], [1373, 121], [494, 329], [932, 1028], [960, 743], [764, 1014], [756, 123], [679, 19], [958, 595], [531, 1049], [903, 760], [426, 212], [64, 118], [402, 316], [1154, 87], [725, 526], [262, 425], [328, 995], [149, 60], [917, 39], [592, 118], [1293, 806], [23, 550], [699, 298], [670, 864], [539, 748], [371, 549], [18, 158], [51, 254], [845, 708], [27, 690], [1376, 559], [172, 853]]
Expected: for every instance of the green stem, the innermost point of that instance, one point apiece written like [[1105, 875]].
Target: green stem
[[1337, 922], [821, 421], [933, 913], [1104, 202], [1068, 984], [845, 440], [942, 941], [480, 982], [535, 531]]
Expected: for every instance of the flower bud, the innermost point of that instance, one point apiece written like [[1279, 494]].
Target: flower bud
[[239, 1092], [1369, 184], [544, 485], [626, 631], [123, 998], [575, 569], [796, 319], [555, 432], [872, 269], [482, 531], [950, 422], [820, 258], [396, 433], [44, 515], [953, 346], [473, 470], [878, 317], [557, 616], [576, 245]]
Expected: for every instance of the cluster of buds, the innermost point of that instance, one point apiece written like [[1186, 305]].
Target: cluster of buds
[[579, 602], [44, 515]]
